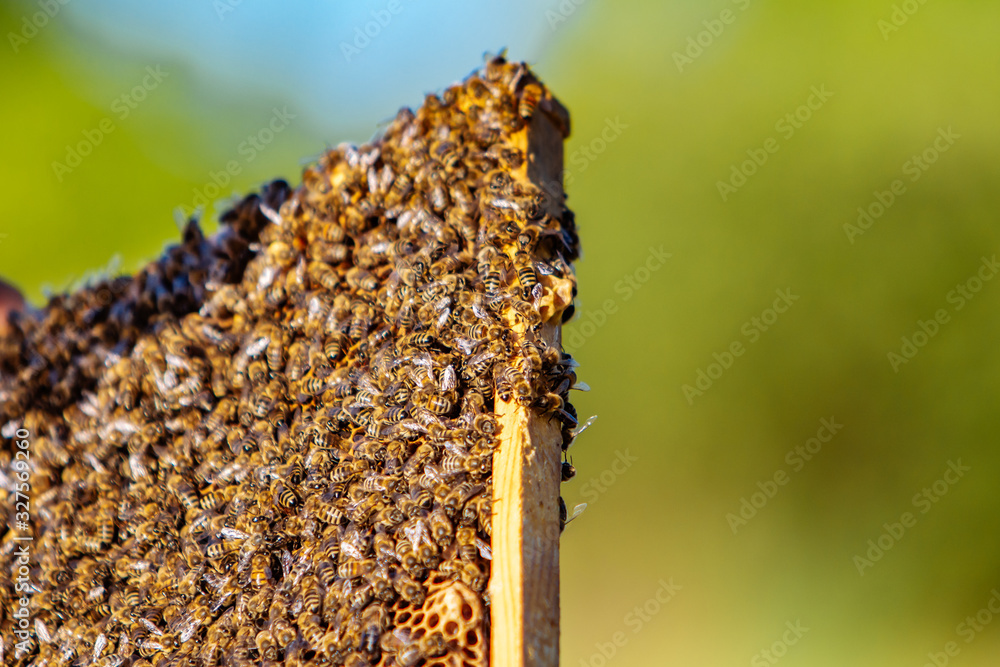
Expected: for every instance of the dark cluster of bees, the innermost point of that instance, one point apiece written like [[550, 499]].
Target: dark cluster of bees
[[272, 445]]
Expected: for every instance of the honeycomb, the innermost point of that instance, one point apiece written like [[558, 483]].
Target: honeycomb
[[274, 445], [448, 630]]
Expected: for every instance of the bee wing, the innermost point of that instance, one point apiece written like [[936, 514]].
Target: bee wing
[[42, 631], [228, 533], [484, 549], [584, 426], [448, 381], [255, 348], [577, 511], [466, 345]]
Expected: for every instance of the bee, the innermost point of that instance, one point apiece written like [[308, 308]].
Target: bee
[[389, 517], [422, 498], [394, 414], [315, 385], [437, 196], [525, 271], [484, 330], [384, 547], [257, 372], [401, 187], [473, 577], [184, 492], [485, 424], [348, 470], [549, 403], [439, 404], [327, 573], [266, 646], [527, 238], [260, 570], [359, 279], [441, 528], [105, 528], [361, 321], [417, 340], [521, 389], [361, 596], [509, 158], [333, 347], [479, 509], [282, 632], [459, 496], [406, 505], [286, 497], [432, 645], [275, 296], [494, 275], [395, 453], [219, 550], [568, 471], [352, 569], [526, 312], [405, 317], [275, 352], [465, 538], [505, 377], [530, 96], [327, 512], [128, 392], [407, 557], [312, 594], [499, 183], [360, 511], [421, 455], [298, 361], [374, 621], [409, 590], [329, 643], [326, 252], [323, 275]]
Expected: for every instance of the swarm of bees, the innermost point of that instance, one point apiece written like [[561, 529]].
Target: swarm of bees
[[274, 446]]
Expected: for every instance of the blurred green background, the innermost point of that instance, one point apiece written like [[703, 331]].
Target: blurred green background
[[668, 100]]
